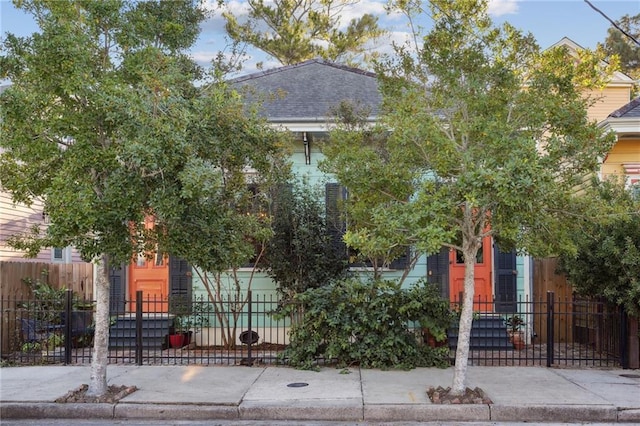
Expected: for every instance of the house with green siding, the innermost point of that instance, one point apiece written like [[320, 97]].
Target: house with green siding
[[300, 98]]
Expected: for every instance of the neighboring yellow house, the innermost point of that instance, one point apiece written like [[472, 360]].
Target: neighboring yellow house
[[624, 157], [615, 111]]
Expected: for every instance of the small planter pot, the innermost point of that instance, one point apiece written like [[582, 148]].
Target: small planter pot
[[517, 339], [176, 340]]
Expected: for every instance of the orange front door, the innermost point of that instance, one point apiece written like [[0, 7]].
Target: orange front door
[[151, 276], [149, 273], [483, 298]]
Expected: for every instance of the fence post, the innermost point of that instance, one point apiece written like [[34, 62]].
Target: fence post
[[249, 325], [550, 327], [68, 327], [624, 353], [139, 327]]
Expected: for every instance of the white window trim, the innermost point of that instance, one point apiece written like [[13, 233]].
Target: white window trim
[[66, 255]]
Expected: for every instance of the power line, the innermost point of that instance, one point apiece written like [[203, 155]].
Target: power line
[[615, 24]]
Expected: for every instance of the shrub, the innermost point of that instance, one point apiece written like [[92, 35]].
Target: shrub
[[368, 323]]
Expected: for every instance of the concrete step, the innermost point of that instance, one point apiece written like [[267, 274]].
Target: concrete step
[[488, 331], [122, 333]]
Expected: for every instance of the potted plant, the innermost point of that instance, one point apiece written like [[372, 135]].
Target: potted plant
[[178, 334], [514, 329]]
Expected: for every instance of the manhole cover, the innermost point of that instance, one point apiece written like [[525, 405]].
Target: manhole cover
[[297, 385], [631, 376]]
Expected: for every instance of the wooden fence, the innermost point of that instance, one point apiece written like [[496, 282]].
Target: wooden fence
[[75, 276], [546, 278]]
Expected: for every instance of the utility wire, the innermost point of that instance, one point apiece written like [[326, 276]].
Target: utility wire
[[615, 24]]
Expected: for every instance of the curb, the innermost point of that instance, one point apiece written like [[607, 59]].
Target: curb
[[630, 415], [554, 413], [322, 411], [55, 410], [138, 411], [420, 412]]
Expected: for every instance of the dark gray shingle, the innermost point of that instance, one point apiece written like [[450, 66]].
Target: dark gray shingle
[[310, 89], [630, 110]]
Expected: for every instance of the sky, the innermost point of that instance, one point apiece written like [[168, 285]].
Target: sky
[[548, 20]]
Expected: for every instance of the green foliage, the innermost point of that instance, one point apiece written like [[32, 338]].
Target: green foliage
[[606, 262], [303, 29], [199, 316], [104, 125], [48, 302], [31, 347], [514, 323], [481, 135], [95, 123], [618, 44], [367, 323], [300, 255]]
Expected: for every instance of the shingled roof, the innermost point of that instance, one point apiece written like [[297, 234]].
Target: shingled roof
[[630, 110], [307, 91]]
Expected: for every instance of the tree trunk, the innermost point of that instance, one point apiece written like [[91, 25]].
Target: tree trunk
[[464, 331], [98, 383]]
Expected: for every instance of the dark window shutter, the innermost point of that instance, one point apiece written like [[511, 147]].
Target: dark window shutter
[[116, 290], [401, 262], [179, 286], [336, 226]]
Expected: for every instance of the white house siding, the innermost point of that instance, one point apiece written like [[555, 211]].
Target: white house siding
[[15, 219], [19, 218]]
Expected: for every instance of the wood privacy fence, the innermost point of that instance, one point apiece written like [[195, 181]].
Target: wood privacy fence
[[546, 278], [74, 276]]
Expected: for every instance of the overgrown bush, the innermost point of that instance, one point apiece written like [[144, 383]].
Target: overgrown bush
[[47, 302], [301, 253], [351, 322]]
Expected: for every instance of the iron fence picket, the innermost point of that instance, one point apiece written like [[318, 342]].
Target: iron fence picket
[[570, 332]]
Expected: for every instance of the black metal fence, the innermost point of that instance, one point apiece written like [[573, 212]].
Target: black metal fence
[[245, 331], [546, 331]]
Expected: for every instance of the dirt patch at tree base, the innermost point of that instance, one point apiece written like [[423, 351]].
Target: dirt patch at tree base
[[114, 393], [442, 395]]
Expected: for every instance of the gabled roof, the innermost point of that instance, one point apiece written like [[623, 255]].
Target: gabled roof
[[306, 92], [618, 78]]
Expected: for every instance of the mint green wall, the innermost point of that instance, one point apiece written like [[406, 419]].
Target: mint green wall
[[262, 284]]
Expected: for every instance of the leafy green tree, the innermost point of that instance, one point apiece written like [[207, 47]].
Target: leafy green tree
[[223, 216], [607, 258], [301, 254], [482, 135], [103, 124], [293, 31], [95, 126], [628, 51]]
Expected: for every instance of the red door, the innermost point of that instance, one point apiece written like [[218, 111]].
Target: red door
[[483, 299]]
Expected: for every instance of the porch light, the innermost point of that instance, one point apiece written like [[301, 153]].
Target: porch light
[[307, 148]]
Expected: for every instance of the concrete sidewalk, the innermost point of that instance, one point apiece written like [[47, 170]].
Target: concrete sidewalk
[[264, 393]]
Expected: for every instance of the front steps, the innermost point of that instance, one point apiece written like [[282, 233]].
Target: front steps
[[488, 332], [155, 327]]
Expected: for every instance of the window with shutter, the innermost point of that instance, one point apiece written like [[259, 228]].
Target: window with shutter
[[335, 195]]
